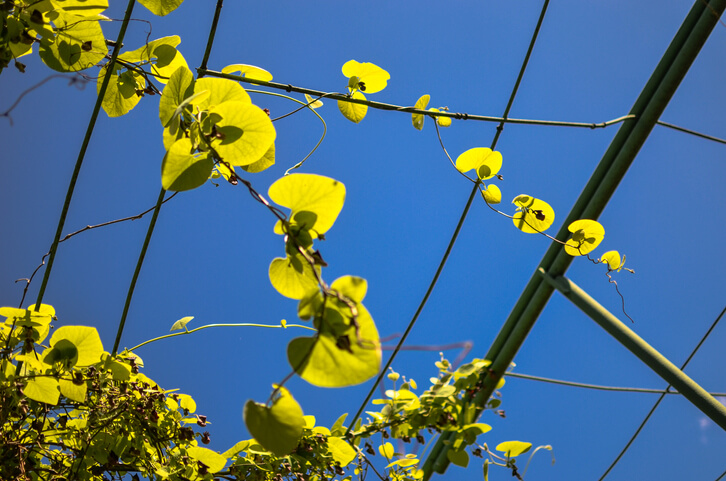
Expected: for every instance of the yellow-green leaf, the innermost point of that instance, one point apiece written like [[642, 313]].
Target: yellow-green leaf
[[249, 71], [220, 90], [212, 460], [492, 194], [78, 45], [82, 8], [181, 323], [459, 458], [612, 259], [352, 111], [121, 94], [341, 450], [43, 389], [483, 160], [586, 236], [277, 428], [352, 287], [178, 89], [441, 120], [245, 132], [370, 78], [73, 391], [418, 119], [513, 449], [309, 193], [183, 170], [533, 215], [293, 276], [386, 450], [267, 161], [161, 7], [313, 104], [86, 340]]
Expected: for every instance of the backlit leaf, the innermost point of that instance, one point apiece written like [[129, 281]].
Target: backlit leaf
[[182, 170], [249, 71], [82, 8], [492, 194], [352, 287], [121, 94], [483, 160], [43, 389], [245, 130], [293, 276], [370, 78], [441, 120], [342, 452], [86, 340], [459, 458], [178, 88], [267, 161], [513, 448], [313, 104], [212, 460], [612, 259], [181, 323], [161, 7], [418, 119], [533, 215], [220, 90], [277, 428], [73, 391], [386, 450], [308, 193], [352, 111], [586, 236], [70, 51]]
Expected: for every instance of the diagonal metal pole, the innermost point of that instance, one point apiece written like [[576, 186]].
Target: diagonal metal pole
[[645, 352], [631, 136]]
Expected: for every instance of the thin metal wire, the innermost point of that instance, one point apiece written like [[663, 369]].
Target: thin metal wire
[[660, 398]]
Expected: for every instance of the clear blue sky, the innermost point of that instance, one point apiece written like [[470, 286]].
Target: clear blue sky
[[212, 246]]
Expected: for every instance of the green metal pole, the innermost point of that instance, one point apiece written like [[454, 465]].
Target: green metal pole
[[631, 136], [645, 352]]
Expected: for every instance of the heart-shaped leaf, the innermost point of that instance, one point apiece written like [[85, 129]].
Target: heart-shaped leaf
[[277, 428]]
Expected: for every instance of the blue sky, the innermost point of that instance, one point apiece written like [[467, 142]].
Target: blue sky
[[212, 246]]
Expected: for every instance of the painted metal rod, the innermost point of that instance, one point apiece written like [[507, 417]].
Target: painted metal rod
[[645, 352], [631, 136]]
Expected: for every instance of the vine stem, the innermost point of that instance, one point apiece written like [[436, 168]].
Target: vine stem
[[139, 263]]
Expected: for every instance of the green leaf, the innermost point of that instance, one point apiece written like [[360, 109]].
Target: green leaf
[[277, 428], [78, 45], [334, 358], [267, 161], [81, 8], [121, 94], [182, 170], [483, 160], [161, 7], [513, 448], [246, 132], [293, 276], [533, 215], [486, 470], [212, 460], [181, 323], [338, 429], [418, 119], [370, 78], [249, 71], [177, 93], [220, 90], [161, 54], [309, 193], [459, 458], [492, 194], [73, 391], [43, 389], [341, 450], [586, 236], [86, 340], [352, 111], [352, 287]]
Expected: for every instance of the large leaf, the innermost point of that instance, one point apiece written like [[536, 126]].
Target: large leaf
[[277, 428], [79, 44], [161, 7], [245, 131], [43, 389], [82, 8], [267, 161], [183, 170], [161, 54], [322, 196], [122, 91], [86, 340], [334, 358], [483, 160], [342, 452], [179, 88], [220, 90]]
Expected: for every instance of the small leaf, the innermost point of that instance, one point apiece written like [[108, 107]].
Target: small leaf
[[440, 119], [459, 458], [370, 78], [313, 104], [483, 160], [277, 428], [492, 194], [418, 119], [533, 215], [161, 7], [386, 450], [612, 259], [586, 236], [352, 111], [181, 323], [249, 71], [513, 449]]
